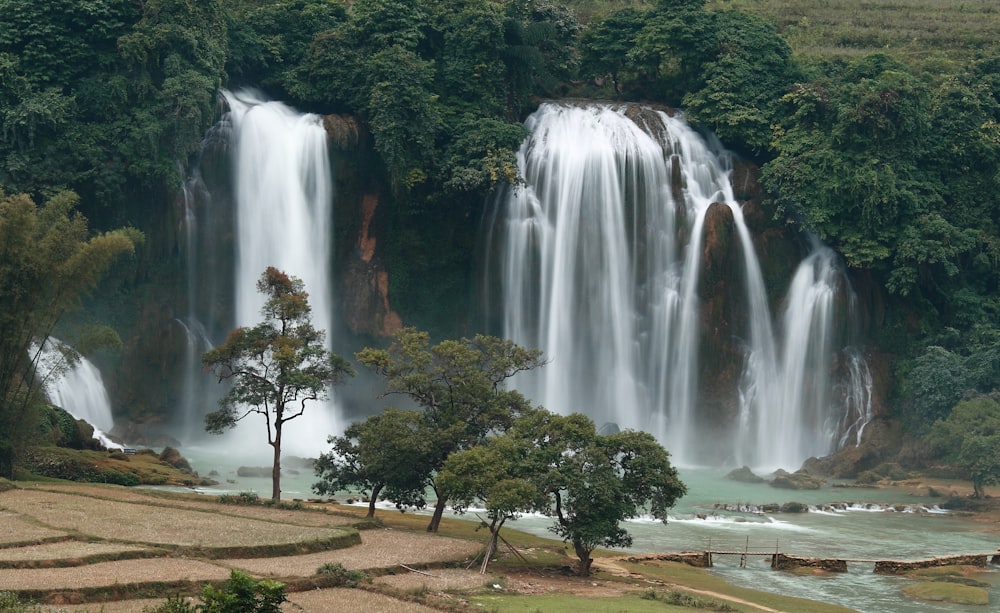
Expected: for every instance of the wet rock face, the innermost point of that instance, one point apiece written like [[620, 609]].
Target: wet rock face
[[365, 284], [782, 561], [744, 475], [722, 317], [799, 480]]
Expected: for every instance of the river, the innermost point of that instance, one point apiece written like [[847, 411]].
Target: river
[[875, 523]]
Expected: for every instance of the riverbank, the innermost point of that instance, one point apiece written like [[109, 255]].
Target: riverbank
[[119, 550], [81, 532]]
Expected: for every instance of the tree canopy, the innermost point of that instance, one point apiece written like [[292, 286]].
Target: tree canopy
[[389, 456], [460, 388], [560, 466], [970, 437]]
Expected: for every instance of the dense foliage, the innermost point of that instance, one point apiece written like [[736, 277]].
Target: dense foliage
[[589, 483], [883, 141], [970, 437], [48, 261], [389, 456], [106, 96]]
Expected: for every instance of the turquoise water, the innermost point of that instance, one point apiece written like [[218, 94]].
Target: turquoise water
[[864, 529]]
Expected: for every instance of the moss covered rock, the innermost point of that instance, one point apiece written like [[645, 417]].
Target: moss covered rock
[[953, 593]]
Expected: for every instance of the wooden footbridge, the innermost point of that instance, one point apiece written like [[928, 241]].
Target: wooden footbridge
[[783, 561]]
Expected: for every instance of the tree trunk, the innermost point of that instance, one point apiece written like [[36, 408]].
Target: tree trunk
[[491, 548], [584, 554], [436, 518], [373, 500], [276, 467]]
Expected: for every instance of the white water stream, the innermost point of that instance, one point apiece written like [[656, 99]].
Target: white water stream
[[284, 198]]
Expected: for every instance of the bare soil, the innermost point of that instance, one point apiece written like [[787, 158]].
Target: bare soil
[[59, 544]]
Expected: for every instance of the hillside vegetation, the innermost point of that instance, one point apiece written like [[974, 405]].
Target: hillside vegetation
[[876, 126]]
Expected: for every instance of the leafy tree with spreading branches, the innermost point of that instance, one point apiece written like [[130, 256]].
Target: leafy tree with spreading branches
[[277, 368], [560, 466], [460, 388]]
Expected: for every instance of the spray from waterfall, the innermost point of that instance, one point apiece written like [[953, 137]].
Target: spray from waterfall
[[597, 260], [283, 192]]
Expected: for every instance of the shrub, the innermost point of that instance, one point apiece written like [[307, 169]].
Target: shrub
[[295, 505], [341, 576], [680, 599], [174, 604], [247, 499], [242, 594]]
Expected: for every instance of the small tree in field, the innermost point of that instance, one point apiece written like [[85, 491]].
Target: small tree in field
[[277, 367], [559, 465], [386, 455], [460, 387]]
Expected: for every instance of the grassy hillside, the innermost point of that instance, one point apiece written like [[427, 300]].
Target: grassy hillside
[[929, 33], [932, 34]]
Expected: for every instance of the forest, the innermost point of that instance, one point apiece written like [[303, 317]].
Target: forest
[[880, 139]]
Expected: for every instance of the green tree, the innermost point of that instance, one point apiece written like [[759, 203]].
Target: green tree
[[277, 367], [176, 56], [677, 40], [268, 42], [970, 437], [106, 97], [936, 381], [459, 385], [559, 465], [424, 74], [386, 456], [599, 481], [243, 594], [740, 86], [499, 475], [48, 261], [606, 48]]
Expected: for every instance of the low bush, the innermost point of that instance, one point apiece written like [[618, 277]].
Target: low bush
[[241, 594], [341, 576]]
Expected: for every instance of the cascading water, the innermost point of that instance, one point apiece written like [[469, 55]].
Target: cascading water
[[77, 386], [597, 260], [802, 410], [283, 194], [197, 339]]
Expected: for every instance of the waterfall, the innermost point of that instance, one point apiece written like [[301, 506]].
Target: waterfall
[[76, 386], [197, 338], [283, 193], [597, 260], [795, 415]]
